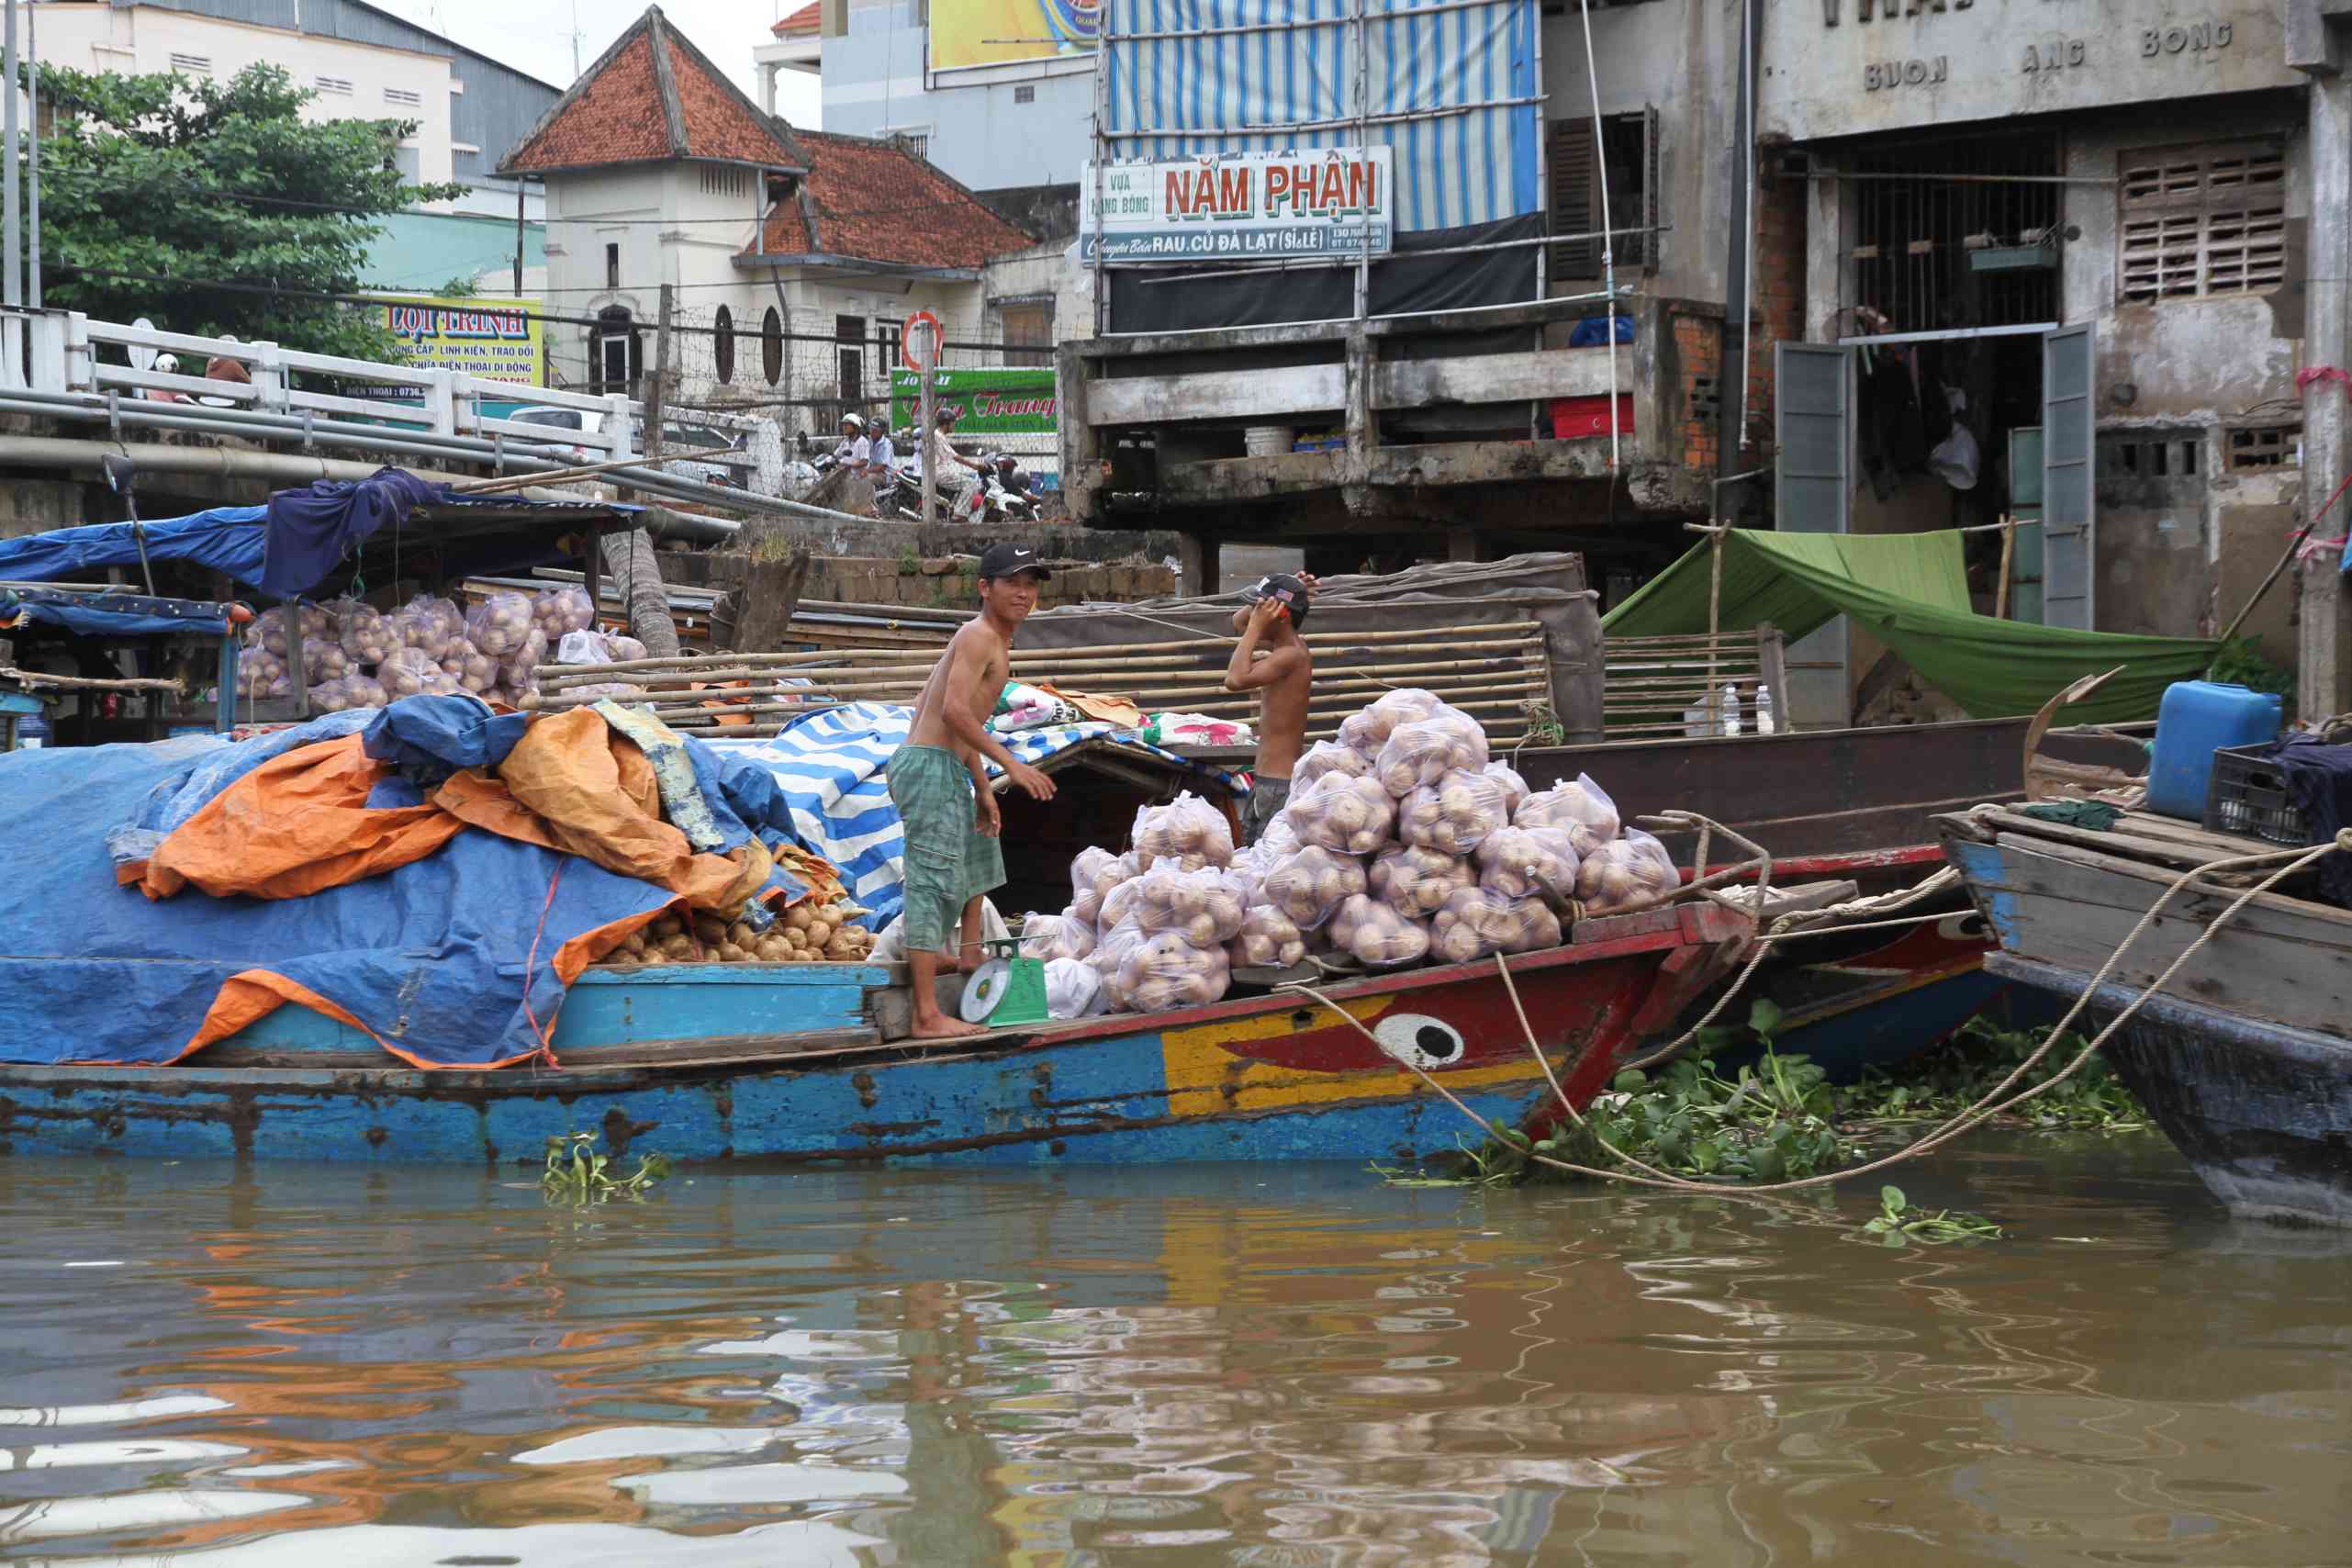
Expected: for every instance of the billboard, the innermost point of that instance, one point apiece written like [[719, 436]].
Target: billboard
[[497, 340], [965, 33], [1331, 202], [1008, 400]]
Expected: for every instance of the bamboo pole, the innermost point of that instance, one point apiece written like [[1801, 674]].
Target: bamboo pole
[[566, 475], [2008, 554], [1714, 624]]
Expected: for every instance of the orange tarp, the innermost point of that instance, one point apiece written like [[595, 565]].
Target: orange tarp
[[298, 825]]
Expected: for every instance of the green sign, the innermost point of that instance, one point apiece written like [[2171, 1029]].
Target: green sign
[[996, 401]]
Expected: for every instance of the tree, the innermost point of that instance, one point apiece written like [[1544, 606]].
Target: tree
[[244, 210]]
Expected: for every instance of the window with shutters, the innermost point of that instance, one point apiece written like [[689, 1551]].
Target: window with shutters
[[1628, 158], [2196, 222]]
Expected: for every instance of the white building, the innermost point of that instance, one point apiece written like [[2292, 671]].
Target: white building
[[364, 63], [793, 258]]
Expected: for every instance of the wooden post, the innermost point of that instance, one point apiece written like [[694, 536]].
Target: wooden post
[[592, 577], [2008, 556], [657, 385], [776, 571], [292, 609], [519, 188]]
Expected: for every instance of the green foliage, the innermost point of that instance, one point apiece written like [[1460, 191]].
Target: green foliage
[[577, 1175], [1946, 1080], [1544, 727], [2240, 663], [910, 564], [173, 177], [1896, 1222]]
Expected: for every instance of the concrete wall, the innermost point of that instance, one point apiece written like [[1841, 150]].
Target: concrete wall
[[949, 582], [1937, 66], [874, 82]]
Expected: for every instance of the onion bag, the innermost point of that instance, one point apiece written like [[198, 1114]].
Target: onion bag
[[1326, 756], [1061, 935], [1368, 730], [365, 636], [1515, 789], [411, 672], [1476, 922], [1528, 862], [1425, 750], [499, 624], [1165, 970]]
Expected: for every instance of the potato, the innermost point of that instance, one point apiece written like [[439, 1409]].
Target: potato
[[1368, 731], [1056, 936], [1413, 880], [1528, 862], [771, 949], [795, 937], [652, 959], [797, 918], [664, 925], [1269, 939], [819, 934], [1326, 757], [1374, 934], [1205, 901], [1308, 886], [741, 933], [1453, 815], [1341, 813], [679, 947], [1476, 922], [1626, 874], [1421, 753], [1582, 810], [734, 953], [710, 930], [1187, 825], [1165, 970], [634, 941]]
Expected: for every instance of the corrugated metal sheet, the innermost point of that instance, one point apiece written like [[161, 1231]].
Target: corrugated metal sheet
[[499, 105], [1475, 165]]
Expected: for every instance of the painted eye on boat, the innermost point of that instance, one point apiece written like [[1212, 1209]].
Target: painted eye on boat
[[1966, 926], [1418, 1040]]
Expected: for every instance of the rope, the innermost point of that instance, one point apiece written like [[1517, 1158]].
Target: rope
[[1986, 1107]]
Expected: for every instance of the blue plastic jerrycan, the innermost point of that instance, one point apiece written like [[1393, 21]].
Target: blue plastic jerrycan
[[2197, 718]]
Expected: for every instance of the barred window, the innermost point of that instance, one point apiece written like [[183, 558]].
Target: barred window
[[2194, 221]]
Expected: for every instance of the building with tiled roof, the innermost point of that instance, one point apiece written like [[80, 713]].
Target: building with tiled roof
[[797, 46], [793, 258]]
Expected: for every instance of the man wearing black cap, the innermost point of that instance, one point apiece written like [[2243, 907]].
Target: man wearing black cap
[[1272, 660], [938, 780]]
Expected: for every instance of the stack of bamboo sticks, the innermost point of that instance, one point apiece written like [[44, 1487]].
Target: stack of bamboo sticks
[[1495, 673]]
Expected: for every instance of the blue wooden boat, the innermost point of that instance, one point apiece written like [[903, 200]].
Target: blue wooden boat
[[796, 1064], [2244, 1060]]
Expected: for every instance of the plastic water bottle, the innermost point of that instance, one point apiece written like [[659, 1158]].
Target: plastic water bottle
[[1727, 711], [1766, 720], [1694, 719]]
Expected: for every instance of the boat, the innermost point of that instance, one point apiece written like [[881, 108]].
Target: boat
[[806, 1065], [2245, 1057]]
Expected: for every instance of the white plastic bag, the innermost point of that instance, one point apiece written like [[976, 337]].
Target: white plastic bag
[[1626, 874], [1476, 922], [1369, 931], [1454, 814], [1348, 814], [1187, 827], [1061, 935], [1308, 886], [1413, 880], [1072, 988], [1582, 809]]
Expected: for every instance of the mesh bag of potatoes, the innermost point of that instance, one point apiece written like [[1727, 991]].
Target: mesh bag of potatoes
[[1062, 935], [1528, 862], [1582, 810], [366, 636], [1515, 789], [1350, 815], [1626, 874], [1453, 815], [1119, 904], [1425, 750], [1085, 896], [411, 672], [1414, 881], [1281, 836], [1367, 930], [1308, 886], [1476, 922], [1187, 829], [1269, 940], [1366, 731], [1164, 971], [1204, 907], [1327, 756]]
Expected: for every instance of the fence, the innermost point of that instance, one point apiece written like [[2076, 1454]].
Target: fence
[[1652, 683]]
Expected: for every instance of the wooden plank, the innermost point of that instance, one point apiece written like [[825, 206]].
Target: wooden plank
[[2161, 877], [1218, 395], [2121, 845], [1490, 378]]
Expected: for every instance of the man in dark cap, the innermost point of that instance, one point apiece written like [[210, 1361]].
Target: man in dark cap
[[1271, 659]]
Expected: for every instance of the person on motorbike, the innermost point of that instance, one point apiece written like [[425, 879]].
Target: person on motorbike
[[940, 461], [855, 451], [1013, 477]]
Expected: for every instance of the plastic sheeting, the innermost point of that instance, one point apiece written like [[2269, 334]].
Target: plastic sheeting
[[1909, 590], [88, 618], [458, 960], [308, 531], [1472, 167], [226, 539]]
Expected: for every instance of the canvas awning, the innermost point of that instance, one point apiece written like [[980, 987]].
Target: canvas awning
[[1910, 590]]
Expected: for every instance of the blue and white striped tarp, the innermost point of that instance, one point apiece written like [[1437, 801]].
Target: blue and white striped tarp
[[831, 768], [1474, 166]]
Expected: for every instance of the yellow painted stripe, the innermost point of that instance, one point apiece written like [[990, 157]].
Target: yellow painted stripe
[[1206, 1077]]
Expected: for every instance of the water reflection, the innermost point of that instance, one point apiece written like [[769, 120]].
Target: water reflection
[[1237, 1366]]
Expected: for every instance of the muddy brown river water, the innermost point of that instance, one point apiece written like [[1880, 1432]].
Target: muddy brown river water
[[350, 1367]]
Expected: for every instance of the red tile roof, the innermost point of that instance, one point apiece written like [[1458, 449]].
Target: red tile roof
[[801, 23], [653, 96], [875, 201]]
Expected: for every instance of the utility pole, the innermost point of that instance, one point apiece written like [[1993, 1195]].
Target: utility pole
[[519, 186], [925, 437], [658, 385], [32, 131], [12, 284], [2321, 687]]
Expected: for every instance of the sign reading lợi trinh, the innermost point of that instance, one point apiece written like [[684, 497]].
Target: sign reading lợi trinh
[[495, 340]]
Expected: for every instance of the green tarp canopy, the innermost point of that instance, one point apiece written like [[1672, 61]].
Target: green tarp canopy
[[1910, 590]]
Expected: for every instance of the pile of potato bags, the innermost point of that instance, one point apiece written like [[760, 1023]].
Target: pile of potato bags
[[1404, 841]]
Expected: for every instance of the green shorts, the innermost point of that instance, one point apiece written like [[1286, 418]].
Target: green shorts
[[948, 861]]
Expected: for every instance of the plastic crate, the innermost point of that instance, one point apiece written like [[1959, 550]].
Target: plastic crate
[[2247, 796]]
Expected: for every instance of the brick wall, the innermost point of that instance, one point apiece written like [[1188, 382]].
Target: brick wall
[[1779, 288], [949, 582], [1699, 355]]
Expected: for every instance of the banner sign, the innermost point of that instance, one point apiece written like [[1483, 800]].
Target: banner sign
[[1328, 202], [1005, 32], [990, 400], [497, 340]]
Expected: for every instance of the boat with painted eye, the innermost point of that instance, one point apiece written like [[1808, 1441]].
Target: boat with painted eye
[[806, 1064]]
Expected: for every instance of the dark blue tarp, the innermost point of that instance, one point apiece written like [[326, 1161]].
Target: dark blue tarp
[[227, 539], [446, 959], [87, 618], [310, 530]]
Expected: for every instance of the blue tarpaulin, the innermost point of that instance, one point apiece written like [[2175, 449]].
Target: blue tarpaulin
[[310, 530], [226, 539], [91, 617], [448, 960]]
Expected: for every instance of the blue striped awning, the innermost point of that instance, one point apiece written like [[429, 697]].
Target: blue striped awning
[[1168, 96], [831, 768]]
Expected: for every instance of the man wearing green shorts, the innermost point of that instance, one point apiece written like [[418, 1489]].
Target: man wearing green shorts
[[940, 782]]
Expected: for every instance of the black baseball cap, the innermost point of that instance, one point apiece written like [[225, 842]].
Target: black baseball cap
[[1003, 560], [1284, 589]]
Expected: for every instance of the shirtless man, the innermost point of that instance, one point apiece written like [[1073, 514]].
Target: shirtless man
[[1272, 660], [938, 780]]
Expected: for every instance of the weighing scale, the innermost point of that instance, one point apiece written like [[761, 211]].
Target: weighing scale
[[1008, 989]]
